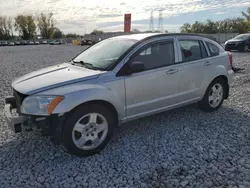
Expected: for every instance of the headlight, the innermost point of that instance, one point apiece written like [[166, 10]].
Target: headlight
[[40, 105], [239, 42]]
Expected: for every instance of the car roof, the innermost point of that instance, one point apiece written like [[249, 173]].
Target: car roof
[[142, 36], [138, 37], [245, 34]]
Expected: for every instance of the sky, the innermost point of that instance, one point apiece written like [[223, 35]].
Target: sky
[[83, 16]]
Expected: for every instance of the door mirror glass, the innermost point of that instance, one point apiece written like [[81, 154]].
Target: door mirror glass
[[136, 66]]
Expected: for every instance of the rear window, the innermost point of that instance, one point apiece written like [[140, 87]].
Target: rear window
[[213, 49]]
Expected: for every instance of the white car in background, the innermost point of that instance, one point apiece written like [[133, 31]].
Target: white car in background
[[55, 42]]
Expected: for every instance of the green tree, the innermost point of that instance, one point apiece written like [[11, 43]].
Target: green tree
[[46, 25], [97, 32], [57, 33], [247, 19], [10, 25], [210, 27], [72, 35], [26, 26], [236, 25], [6, 28], [186, 28], [197, 27]]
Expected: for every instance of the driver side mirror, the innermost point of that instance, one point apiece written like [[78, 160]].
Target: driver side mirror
[[135, 67]]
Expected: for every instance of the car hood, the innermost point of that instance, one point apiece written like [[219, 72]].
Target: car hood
[[235, 40], [51, 77]]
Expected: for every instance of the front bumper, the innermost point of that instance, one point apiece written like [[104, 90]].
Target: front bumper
[[50, 125], [14, 121], [236, 46]]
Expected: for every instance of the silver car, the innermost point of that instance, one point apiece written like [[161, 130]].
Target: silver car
[[79, 103]]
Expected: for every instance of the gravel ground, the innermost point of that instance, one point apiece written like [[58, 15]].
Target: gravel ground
[[181, 148]]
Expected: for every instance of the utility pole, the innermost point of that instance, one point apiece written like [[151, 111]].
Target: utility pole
[[160, 22], [151, 23]]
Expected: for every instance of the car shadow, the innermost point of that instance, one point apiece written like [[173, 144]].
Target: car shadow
[[177, 143]]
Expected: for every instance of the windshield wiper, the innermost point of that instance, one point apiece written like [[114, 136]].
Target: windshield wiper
[[86, 65], [78, 62]]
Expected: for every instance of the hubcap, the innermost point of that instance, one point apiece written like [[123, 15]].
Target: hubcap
[[215, 95], [246, 48], [90, 131]]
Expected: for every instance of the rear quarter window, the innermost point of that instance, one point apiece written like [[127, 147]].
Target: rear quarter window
[[213, 49]]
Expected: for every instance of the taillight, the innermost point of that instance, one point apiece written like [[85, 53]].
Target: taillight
[[230, 59]]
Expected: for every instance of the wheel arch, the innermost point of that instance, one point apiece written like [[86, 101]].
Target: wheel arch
[[225, 79], [104, 103]]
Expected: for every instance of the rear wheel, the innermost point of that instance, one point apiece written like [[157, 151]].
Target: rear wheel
[[244, 48], [88, 130], [214, 96]]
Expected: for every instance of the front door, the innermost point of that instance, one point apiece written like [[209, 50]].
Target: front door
[[156, 88]]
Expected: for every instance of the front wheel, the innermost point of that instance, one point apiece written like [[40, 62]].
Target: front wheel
[[214, 96], [88, 130], [246, 48]]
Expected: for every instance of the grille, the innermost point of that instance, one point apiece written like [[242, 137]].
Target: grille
[[19, 97]]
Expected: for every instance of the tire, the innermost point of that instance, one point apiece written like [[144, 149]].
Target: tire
[[83, 139], [205, 103], [246, 48]]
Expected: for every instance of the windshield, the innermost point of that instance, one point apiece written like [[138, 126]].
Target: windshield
[[105, 53], [242, 37]]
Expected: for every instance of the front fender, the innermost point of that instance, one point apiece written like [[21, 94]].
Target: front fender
[[92, 92]]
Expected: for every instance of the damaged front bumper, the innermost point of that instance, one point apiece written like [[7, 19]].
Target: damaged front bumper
[[14, 120], [50, 125]]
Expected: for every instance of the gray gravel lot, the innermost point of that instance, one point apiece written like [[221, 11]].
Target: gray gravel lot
[[181, 148]]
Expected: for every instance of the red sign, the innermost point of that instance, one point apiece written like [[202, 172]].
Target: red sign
[[127, 22]]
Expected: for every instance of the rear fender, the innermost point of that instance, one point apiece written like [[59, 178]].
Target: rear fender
[[220, 70]]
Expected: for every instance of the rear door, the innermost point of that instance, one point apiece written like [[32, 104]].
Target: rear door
[[217, 59], [193, 59]]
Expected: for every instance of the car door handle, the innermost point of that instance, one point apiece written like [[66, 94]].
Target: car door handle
[[207, 63], [172, 71]]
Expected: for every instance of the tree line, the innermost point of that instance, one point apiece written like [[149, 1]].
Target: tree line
[[234, 25], [28, 25]]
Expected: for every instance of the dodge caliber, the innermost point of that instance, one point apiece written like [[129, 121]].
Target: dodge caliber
[[80, 102]]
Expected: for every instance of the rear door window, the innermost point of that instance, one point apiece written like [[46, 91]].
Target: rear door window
[[192, 50]]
